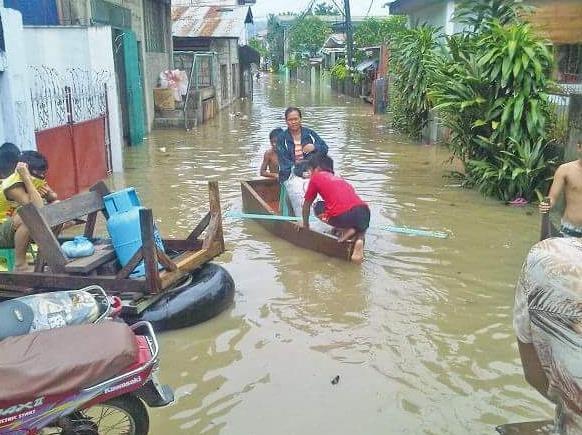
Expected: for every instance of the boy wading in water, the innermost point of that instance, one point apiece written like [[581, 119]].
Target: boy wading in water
[[568, 178], [270, 165], [341, 207]]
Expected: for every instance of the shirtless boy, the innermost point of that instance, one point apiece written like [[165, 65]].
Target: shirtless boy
[[270, 165], [568, 178]]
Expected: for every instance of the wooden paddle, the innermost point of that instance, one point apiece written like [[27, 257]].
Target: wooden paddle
[[389, 228]]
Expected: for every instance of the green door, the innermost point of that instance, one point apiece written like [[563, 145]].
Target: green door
[[135, 110]]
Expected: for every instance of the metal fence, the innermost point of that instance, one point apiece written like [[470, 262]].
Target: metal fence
[[77, 95], [199, 67]]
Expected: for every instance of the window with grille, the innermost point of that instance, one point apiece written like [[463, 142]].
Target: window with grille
[[203, 72], [155, 26], [103, 12], [569, 60]]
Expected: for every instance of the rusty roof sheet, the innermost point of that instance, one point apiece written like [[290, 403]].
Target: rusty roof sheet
[[210, 21]]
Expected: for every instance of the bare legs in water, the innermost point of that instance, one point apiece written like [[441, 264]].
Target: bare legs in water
[[345, 235]]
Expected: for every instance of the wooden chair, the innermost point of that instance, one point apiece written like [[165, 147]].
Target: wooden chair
[[43, 223]]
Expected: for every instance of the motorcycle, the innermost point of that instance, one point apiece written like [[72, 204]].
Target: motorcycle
[[80, 380]]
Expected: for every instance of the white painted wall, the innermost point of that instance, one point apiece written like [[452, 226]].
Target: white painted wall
[[88, 48], [15, 102], [101, 56], [227, 54]]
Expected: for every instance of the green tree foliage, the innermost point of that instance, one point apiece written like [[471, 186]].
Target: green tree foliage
[[339, 71], [414, 56], [308, 35], [477, 15], [490, 92], [375, 31], [259, 46], [324, 9], [275, 41]]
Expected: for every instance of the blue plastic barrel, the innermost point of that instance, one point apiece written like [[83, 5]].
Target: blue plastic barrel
[[124, 228]]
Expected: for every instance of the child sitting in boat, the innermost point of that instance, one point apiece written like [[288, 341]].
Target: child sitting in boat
[[341, 207], [270, 165]]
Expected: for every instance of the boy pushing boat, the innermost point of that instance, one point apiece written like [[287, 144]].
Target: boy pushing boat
[[341, 207]]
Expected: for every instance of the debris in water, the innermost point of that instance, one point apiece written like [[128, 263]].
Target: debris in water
[[518, 202], [335, 380]]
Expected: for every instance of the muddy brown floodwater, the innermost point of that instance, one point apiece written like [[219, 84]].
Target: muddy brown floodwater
[[420, 335]]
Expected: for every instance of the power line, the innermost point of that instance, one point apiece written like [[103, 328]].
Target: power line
[[338, 8], [370, 8]]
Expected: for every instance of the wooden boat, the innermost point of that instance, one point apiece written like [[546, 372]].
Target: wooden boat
[[262, 197], [527, 428]]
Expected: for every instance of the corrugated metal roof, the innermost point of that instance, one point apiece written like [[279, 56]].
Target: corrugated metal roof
[[335, 40], [210, 21]]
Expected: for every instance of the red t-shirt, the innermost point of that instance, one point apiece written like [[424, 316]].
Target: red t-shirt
[[338, 194]]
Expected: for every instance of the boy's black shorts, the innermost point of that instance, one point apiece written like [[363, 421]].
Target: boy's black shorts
[[357, 217]]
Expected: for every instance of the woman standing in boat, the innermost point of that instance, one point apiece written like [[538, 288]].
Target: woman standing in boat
[[296, 143]]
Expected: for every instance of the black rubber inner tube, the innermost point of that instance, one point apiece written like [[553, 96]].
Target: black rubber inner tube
[[207, 293]]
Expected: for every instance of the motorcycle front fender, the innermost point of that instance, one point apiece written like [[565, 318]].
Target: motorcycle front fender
[[155, 394]]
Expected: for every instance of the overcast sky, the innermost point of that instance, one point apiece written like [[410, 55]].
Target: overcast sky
[[358, 7]]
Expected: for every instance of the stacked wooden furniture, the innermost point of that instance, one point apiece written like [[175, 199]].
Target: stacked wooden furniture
[[54, 271]]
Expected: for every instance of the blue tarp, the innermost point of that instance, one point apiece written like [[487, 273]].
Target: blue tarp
[[36, 12]]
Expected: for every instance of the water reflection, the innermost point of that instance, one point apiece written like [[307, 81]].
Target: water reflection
[[420, 335]]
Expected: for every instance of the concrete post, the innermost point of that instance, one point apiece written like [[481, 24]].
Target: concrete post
[[14, 86], [379, 95]]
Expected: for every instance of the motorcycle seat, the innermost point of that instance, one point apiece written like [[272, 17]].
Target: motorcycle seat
[[64, 360]]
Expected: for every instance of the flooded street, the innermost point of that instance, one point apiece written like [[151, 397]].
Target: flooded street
[[420, 335]]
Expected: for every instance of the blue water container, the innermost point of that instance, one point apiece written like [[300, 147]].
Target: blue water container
[[124, 228]]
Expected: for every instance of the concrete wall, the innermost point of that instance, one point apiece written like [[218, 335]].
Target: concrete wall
[[227, 53], [86, 48], [434, 14], [15, 100], [152, 63], [155, 63], [438, 14]]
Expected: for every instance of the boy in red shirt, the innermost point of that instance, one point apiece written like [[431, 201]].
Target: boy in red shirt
[[341, 207]]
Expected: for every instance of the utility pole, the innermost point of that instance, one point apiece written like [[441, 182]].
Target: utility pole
[[349, 34]]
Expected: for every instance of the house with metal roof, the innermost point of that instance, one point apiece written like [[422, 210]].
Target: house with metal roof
[[560, 21], [222, 30], [333, 49]]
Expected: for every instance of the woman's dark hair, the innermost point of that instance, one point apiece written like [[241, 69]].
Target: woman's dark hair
[[301, 167], [9, 154], [275, 133], [291, 110], [321, 161], [35, 161]]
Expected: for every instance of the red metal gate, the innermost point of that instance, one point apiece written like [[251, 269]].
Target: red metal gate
[[71, 122]]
